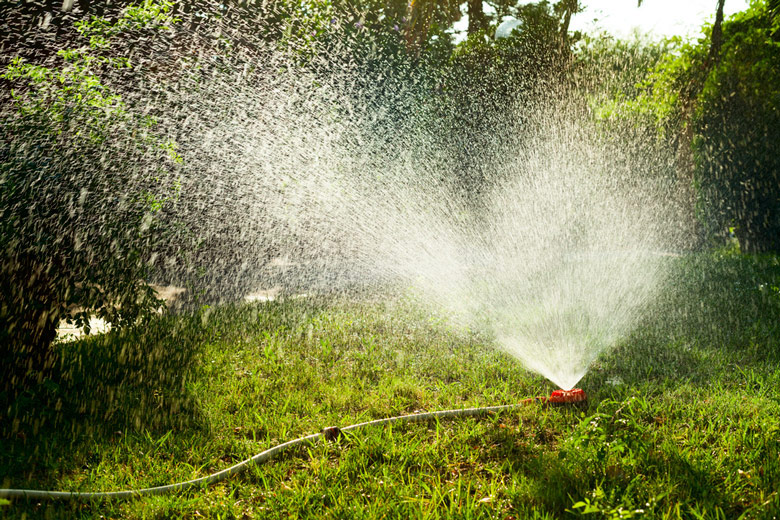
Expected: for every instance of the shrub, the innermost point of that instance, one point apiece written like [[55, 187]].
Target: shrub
[[82, 180]]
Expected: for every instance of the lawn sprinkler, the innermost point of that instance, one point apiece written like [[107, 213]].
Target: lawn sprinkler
[[575, 396]]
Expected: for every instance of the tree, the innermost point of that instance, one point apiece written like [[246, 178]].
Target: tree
[[82, 180], [423, 15], [717, 99], [487, 78], [737, 128]]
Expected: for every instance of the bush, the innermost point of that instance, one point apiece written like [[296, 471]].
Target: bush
[[82, 180]]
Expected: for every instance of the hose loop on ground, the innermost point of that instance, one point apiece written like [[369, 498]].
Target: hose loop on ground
[[330, 433]]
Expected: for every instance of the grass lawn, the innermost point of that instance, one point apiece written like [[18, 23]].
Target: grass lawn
[[683, 419]]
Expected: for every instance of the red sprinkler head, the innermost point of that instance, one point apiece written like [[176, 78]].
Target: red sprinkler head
[[562, 397]]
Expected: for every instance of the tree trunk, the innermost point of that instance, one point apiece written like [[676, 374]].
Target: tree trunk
[[418, 22], [685, 158], [29, 317], [716, 41], [477, 19], [566, 9]]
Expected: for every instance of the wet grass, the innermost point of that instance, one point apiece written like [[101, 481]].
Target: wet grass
[[683, 419]]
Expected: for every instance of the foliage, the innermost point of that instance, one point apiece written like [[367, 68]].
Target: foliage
[[485, 80], [331, 29], [723, 112], [737, 126], [615, 73], [82, 180], [659, 94], [148, 14]]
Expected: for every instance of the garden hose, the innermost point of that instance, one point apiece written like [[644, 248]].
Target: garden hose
[[557, 398]]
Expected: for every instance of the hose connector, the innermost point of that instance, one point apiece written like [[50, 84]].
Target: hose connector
[[331, 433]]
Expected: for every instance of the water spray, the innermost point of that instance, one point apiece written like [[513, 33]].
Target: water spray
[[559, 398]]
